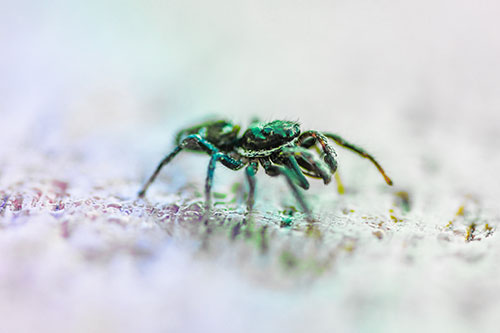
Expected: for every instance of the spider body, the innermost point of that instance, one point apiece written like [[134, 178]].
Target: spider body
[[278, 146]]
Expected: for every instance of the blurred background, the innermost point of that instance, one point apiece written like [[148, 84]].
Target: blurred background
[[410, 81], [347, 66]]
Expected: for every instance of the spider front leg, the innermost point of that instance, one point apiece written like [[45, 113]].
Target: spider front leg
[[289, 160], [309, 139], [276, 170], [313, 165], [193, 140], [341, 142]]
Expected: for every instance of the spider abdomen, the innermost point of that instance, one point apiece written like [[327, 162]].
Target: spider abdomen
[[220, 133]]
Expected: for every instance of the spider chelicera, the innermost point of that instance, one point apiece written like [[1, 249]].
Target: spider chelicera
[[278, 146]]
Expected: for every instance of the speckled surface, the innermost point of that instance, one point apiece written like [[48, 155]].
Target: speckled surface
[[81, 252]]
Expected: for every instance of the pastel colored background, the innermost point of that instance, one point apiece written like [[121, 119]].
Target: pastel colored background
[[92, 92]]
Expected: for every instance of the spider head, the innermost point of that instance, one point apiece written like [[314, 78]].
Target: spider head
[[270, 135]]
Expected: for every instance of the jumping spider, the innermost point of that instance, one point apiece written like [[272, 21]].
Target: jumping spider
[[279, 146]]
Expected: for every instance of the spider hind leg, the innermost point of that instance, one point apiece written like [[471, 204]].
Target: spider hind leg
[[163, 162], [193, 141], [250, 172], [226, 161]]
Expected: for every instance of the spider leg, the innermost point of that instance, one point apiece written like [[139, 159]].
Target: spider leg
[[341, 142], [191, 141], [309, 138], [228, 162], [164, 162], [276, 170], [316, 167], [291, 163], [250, 172]]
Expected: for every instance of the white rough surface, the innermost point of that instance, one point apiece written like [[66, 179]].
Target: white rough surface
[[94, 93]]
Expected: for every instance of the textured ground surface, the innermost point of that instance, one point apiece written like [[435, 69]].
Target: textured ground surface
[[81, 253]]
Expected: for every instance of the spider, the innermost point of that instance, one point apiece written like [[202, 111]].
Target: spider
[[278, 146]]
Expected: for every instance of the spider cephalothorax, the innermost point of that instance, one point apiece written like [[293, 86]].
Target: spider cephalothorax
[[261, 137], [278, 146]]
